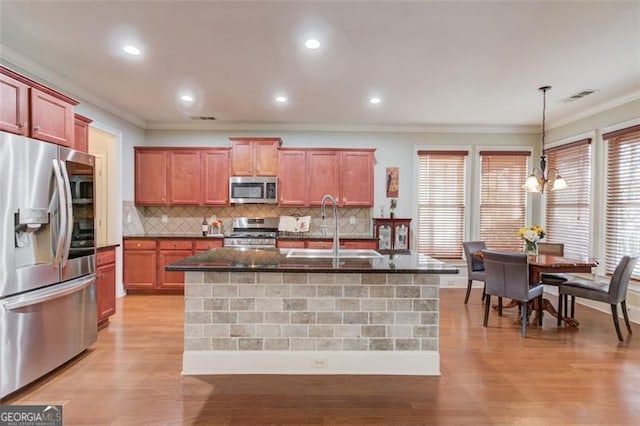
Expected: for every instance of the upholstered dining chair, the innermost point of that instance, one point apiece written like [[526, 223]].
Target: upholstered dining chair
[[507, 275], [613, 293], [475, 265]]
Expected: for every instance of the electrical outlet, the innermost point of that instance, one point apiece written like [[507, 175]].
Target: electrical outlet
[[320, 363], [165, 219], [352, 220]]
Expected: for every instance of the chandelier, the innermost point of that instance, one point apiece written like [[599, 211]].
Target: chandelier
[[540, 177]]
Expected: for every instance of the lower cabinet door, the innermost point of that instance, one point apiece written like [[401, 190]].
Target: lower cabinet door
[[106, 292], [139, 269], [171, 279]]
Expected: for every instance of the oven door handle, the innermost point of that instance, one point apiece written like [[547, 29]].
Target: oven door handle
[[49, 295]]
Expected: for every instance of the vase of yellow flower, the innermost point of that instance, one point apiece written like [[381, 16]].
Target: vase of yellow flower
[[531, 235]]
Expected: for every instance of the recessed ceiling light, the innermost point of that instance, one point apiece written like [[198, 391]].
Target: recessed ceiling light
[[312, 44], [131, 50], [375, 100], [281, 99], [187, 98]]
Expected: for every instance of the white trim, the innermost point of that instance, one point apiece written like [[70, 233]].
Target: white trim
[[226, 126], [117, 134], [75, 91], [619, 126], [591, 134], [415, 363], [630, 97]]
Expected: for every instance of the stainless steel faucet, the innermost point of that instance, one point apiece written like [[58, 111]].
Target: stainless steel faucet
[[334, 205]]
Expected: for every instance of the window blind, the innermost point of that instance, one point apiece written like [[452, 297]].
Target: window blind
[[623, 200], [567, 211], [441, 203], [503, 202]]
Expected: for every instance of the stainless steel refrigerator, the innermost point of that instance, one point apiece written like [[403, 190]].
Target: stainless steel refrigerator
[[47, 258]]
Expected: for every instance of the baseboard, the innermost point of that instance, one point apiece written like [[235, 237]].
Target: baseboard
[[416, 363]]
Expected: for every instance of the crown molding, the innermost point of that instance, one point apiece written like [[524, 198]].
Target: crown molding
[[630, 97], [248, 126], [30, 66]]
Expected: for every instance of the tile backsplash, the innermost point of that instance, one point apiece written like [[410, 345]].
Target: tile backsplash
[[188, 219]]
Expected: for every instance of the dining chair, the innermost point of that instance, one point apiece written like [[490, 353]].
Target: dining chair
[[507, 275], [555, 249], [613, 293], [475, 264]]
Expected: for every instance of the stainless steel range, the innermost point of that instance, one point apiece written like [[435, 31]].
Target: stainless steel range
[[253, 232]]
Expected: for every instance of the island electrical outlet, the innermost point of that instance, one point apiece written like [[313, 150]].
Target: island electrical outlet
[[320, 363]]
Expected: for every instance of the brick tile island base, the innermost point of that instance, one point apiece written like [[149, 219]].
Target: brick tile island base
[[336, 321]]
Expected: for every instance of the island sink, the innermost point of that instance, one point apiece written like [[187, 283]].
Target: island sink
[[329, 253]]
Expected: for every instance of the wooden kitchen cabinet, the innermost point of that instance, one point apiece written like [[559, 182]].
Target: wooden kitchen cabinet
[[28, 108], [323, 175], [183, 177], [145, 259], [254, 156], [214, 174], [170, 251], [150, 177], [139, 264], [292, 178], [105, 284], [14, 105], [356, 176], [291, 244], [81, 133], [201, 246]]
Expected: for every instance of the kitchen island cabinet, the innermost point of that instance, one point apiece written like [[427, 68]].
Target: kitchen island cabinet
[[261, 312]]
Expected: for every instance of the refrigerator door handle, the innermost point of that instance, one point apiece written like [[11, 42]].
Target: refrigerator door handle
[[57, 261], [46, 296], [67, 237]]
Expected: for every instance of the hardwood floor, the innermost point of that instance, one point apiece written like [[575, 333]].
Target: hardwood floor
[[489, 376]]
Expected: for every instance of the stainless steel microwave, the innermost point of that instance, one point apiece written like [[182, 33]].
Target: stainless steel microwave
[[258, 190]]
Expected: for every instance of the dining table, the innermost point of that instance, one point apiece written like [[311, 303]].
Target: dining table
[[545, 263]]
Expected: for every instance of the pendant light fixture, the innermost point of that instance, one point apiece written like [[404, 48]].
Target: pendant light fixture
[[540, 177]]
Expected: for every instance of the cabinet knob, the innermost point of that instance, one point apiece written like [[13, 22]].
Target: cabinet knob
[[36, 128], [138, 245], [20, 125]]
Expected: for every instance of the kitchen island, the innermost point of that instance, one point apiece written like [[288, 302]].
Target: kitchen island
[[257, 311]]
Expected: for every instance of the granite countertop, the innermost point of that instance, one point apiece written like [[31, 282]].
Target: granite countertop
[[276, 260], [281, 236], [319, 236], [180, 235]]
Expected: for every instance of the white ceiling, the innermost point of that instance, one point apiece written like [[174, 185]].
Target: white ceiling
[[455, 64]]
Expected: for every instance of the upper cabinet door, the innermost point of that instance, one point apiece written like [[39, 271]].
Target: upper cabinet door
[[51, 118], [254, 156], [266, 157], [81, 133], [323, 175], [292, 186], [357, 179], [183, 177], [14, 106], [214, 172], [241, 158], [150, 177]]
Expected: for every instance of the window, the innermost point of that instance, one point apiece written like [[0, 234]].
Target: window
[[567, 211], [623, 197], [503, 201], [441, 203]]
